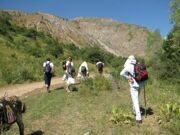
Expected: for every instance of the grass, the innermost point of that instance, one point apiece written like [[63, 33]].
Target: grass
[[88, 110]]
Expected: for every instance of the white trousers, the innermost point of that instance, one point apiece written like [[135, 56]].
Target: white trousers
[[135, 93]]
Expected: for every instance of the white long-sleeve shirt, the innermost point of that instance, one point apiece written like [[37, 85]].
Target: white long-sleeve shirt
[[128, 72], [69, 65], [51, 65], [85, 65]]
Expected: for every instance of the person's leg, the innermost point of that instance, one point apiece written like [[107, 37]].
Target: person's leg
[[65, 76], [135, 101], [100, 70], [50, 76], [48, 81]]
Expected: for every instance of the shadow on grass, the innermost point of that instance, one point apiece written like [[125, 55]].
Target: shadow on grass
[[148, 111], [38, 132], [59, 88]]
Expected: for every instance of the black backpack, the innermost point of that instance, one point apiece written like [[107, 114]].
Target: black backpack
[[64, 65], [100, 66], [83, 69], [47, 68]]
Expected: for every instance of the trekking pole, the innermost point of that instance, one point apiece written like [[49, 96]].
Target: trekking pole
[[145, 102]]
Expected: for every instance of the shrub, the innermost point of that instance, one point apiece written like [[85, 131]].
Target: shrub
[[169, 111], [119, 117]]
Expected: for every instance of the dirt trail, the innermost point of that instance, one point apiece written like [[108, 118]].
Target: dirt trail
[[23, 89]]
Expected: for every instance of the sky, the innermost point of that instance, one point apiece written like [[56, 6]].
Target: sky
[[152, 14]]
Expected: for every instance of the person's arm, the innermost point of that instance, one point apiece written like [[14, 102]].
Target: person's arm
[[52, 67], [79, 70], [125, 73], [44, 64]]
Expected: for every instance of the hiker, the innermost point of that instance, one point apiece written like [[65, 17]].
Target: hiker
[[83, 70], [48, 68], [100, 66], [68, 67], [64, 68], [70, 72], [129, 74]]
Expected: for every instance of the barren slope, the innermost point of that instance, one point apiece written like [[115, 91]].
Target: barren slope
[[118, 38]]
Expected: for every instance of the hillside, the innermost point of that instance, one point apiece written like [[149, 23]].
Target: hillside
[[23, 52], [118, 38]]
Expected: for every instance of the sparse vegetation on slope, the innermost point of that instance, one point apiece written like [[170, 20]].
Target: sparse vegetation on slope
[[119, 38], [24, 50]]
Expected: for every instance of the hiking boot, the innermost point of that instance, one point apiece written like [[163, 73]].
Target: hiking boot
[[139, 121]]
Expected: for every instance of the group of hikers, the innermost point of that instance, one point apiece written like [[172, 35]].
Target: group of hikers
[[69, 72], [134, 72]]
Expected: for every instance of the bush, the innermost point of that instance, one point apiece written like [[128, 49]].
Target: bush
[[119, 117]]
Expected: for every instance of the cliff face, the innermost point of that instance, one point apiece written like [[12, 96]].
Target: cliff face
[[118, 38]]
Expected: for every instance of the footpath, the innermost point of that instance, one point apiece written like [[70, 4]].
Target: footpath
[[23, 89]]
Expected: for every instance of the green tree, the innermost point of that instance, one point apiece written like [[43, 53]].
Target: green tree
[[175, 12], [171, 46]]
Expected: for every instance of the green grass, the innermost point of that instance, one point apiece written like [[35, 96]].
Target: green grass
[[89, 110]]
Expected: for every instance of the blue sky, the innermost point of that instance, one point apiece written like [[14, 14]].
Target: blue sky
[[153, 14]]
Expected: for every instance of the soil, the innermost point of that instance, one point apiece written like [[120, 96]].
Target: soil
[[25, 89]]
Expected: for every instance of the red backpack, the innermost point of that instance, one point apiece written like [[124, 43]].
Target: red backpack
[[141, 74]]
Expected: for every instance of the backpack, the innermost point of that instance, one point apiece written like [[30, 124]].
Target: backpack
[[141, 74], [83, 69], [64, 65], [47, 68], [100, 66], [71, 69], [7, 112]]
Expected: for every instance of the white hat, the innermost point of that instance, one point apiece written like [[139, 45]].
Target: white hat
[[131, 57]]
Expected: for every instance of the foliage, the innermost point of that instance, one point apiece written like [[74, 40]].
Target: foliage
[[94, 86], [153, 49], [5, 23], [171, 46], [119, 117], [170, 115], [28, 49], [163, 56], [175, 12], [170, 111], [94, 54]]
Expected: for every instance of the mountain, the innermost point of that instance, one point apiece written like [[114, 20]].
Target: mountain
[[118, 38]]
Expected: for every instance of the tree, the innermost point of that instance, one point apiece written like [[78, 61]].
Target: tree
[[171, 46], [175, 12]]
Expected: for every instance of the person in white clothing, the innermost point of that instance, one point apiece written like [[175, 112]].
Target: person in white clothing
[[83, 70], [69, 74], [48, 69], [100, 66], [68, 70], [69, 67], [128, 73]]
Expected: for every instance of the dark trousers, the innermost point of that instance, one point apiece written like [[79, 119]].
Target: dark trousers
[[47, 78]]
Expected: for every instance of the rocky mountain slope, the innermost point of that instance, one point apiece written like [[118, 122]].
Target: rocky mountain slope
[[118, 38]]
